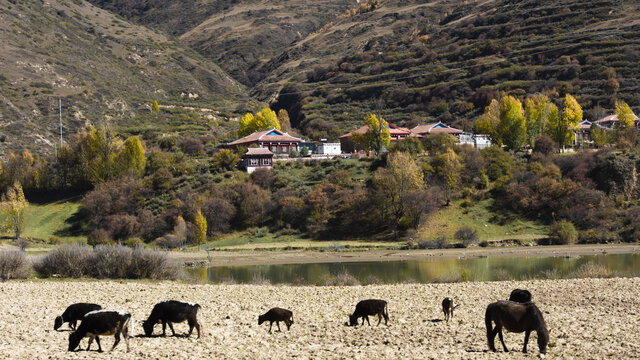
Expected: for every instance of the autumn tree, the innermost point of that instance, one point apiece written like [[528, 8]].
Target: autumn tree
[[561, 127], [598, 135], [625, 132], [487, 123], [225, 159], [263, 120], [201, 227], [377, 136], [97, 151], [401, 176], [512, 126], [536, 109], [14, 207], [283, 118], [447, 169], [131, 159]]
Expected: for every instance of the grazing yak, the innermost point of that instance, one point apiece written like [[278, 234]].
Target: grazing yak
[[520, 295], [73, 313], [172, 311], [515, 317], [369, 307], [102, 322], [447, 308], [277, 314]]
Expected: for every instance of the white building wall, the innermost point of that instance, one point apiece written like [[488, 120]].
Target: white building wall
[[329, 149]]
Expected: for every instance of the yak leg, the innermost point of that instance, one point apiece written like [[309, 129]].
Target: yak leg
[[171, 327], [288, 323], [72, 325], [502, 340], [526, 340], [90, 341], [164, 328], [98, 342], [270, 325], [379, 319], [366, 317], [491, 339], [117, 336], [278, 323]]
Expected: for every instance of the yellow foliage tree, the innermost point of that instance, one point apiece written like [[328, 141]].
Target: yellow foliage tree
[[263, 120], [377, 136], [487, 123], [14, 206], [131, 158], [625, 115], [201, 228]]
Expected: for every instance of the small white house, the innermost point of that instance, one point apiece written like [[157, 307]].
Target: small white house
[[328, 149], [476, 140]]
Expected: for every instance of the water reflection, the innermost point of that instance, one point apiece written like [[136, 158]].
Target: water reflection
[[423, 271]]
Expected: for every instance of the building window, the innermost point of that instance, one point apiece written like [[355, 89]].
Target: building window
[[253, 162], [266, 161], [274, 148], [284, 149]]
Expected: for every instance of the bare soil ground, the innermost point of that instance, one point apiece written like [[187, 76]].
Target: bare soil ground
[[589, 318]]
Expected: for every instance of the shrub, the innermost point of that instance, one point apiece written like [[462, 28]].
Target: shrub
[[593, 270], [14, 265], [98, 237], [22, 243], [259, 279], [54, 240], [371, 280], [501, 275], [343, 279], [466, 236], [169, 242], [562, 233], [450, 277], [68, 260], [191, 146], [107, 261], [133, 242]]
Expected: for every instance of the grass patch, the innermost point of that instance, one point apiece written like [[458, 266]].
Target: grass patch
[[53, 219], [481, 217]]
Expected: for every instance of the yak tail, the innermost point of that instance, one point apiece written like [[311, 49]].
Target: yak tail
[[386, 310], [128, 324], [487, 321]]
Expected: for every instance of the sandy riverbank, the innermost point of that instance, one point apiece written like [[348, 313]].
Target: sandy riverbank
[[262, 257], [590, 318]]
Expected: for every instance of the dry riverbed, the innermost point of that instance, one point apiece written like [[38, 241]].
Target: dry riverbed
[[589, 318]]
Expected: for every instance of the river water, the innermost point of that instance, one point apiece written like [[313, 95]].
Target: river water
[[425, 271]]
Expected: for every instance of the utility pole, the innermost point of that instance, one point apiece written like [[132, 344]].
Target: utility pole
[[60, 111]]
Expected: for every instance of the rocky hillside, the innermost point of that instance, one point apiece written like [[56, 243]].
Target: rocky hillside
[[101, 66], [239, 35]]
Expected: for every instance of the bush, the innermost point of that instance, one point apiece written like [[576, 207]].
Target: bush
[[22, 243], [562, 233], [593, 270], [54, 240], [107, 261], [371, 280], [14, 265], [169, 242], [67, 260], [98, 237], [343, 279], [466, 236]]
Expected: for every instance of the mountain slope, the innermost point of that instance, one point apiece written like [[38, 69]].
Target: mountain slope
[[101, 66], [240, 35]]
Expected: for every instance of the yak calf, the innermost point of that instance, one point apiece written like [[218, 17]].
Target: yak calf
[[172, 311], [277, 314], [73, 313], [369, 307], [447, 307], [102, 322]]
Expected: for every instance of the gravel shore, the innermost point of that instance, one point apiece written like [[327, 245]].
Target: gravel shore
[[588, 318]]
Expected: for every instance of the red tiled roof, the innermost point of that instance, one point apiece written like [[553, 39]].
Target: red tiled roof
[[584, 125], [271, 135], [613, 117], [435, 128], [393, 130]]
